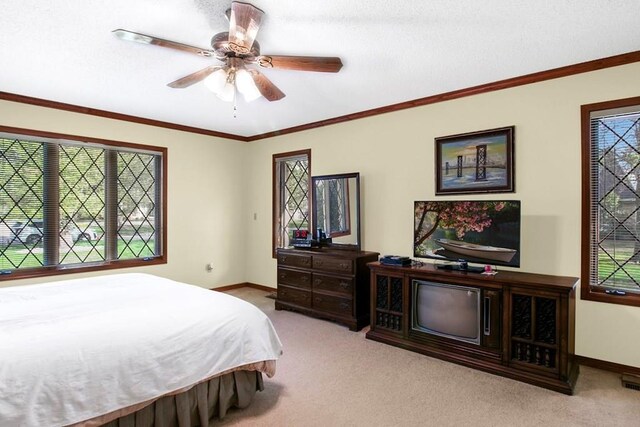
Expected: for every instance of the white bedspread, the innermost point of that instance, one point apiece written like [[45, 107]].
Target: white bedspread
[[76, 349]]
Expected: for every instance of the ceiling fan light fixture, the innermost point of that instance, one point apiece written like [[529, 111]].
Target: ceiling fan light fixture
[[217, 80], [246, 85], [227, 93]]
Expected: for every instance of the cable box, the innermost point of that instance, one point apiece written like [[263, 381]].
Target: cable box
[[395, 260]]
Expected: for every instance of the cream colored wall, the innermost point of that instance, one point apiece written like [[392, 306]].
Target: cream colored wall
[[216, 186], [205, 193], [394, 154]]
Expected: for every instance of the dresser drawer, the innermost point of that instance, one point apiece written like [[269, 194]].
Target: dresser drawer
[[333, 264], [294, 296], [302, 261], [331, 304], [301, 279], [334, 284]]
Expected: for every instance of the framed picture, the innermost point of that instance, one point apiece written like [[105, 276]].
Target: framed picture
[[476, 162]]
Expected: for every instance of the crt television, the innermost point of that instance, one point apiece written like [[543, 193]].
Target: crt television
[[447, 310], [468, 231]]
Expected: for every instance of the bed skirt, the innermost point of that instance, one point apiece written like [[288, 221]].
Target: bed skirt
[[196, 406]]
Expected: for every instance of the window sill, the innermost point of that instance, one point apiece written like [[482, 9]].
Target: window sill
[[597, 294], [30, 273]]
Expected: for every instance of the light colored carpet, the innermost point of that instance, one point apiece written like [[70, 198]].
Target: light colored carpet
[[330, 376]]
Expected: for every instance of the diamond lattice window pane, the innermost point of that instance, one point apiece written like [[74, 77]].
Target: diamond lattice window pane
[[137, 188], [82, 204], [21, 175], [618, 200], [295, 212]]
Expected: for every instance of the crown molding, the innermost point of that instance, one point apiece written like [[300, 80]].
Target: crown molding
[[116, 116], [569, 70]]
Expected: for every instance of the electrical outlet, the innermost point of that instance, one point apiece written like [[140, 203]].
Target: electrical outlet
[[210, 267]]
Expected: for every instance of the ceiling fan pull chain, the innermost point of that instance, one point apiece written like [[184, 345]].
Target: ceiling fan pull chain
[[235, 106]]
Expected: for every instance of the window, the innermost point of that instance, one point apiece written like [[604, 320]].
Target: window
[[69, 204], [291, 183], [611, 202]]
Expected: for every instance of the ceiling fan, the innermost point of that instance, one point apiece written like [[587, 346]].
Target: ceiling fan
[[237, 49]]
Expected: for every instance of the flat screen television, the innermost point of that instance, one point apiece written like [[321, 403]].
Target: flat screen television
[[468, 231]]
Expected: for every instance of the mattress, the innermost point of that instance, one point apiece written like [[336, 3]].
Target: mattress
[[76, 349]]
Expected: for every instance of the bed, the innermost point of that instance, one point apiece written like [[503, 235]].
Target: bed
[[128, 349]]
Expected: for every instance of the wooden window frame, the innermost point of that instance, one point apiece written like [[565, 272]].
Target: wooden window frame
[[588, 291], [54, 270], [275, 223]]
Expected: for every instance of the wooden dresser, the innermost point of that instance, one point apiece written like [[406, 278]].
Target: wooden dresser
[[326, 283]]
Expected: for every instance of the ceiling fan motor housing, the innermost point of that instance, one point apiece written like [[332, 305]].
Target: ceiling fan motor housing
[[221, 45]]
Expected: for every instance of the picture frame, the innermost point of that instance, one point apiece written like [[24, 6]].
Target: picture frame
[[476, 162]]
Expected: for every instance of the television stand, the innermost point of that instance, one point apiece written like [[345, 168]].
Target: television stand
[[460, 266], [526, 322]]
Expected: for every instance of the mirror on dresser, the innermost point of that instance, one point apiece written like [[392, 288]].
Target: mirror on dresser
[[336, 209]]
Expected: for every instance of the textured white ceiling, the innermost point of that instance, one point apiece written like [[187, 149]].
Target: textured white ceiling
[[393, 51]]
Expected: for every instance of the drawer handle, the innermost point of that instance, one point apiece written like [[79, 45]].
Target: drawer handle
[[283, 275], [317, 299], [344, 305], [317, 281], [305, 278], [306, 261], [283, 259], [344, 266], [344, 285]]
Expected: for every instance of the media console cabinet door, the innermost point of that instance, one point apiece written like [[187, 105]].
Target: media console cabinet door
[[538, 333], [388, 303]]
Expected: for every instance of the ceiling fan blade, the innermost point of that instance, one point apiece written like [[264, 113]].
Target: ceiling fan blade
[[147, 39], [187, 81], [266, 86], [244, 24], [301, 63]]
